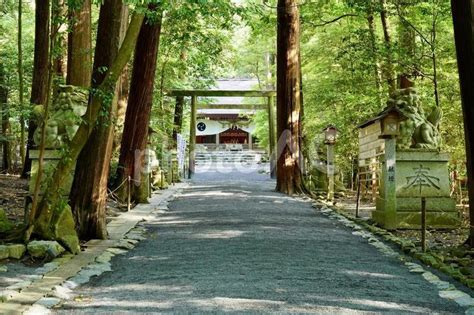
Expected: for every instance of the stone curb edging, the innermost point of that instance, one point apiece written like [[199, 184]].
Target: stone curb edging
[[446, 290], [408, 247], [65, 273]]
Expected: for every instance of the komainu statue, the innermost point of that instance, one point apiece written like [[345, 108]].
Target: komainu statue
[[68, 107], [418, 130]]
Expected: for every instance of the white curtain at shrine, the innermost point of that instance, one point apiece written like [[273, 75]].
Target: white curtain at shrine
[[213, 127]]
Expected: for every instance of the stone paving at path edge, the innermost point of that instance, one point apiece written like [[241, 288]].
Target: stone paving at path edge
[[238, 246]]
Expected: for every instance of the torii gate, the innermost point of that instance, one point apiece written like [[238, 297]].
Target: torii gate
[[194, 94]]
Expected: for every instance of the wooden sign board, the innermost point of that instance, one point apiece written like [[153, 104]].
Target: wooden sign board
[[370, 146]]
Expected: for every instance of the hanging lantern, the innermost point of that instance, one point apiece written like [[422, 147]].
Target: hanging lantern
[[391, 123]]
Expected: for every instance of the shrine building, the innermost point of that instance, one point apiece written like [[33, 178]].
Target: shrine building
[[226, 123]]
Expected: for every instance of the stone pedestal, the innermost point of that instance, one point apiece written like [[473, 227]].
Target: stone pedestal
[[417, 173]]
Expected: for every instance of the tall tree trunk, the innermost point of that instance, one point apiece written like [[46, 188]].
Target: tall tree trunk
[[375, 57], [5, 120], [79, 57], [179, 106], [59, 61], [407, 46], [389, 72], [123, 92], [21, 91], [137, 118], [463, 20], [40, 73], [178, 118], [288, 99], [89, 190]]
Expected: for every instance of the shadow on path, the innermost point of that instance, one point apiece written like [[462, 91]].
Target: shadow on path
[[238, 246]]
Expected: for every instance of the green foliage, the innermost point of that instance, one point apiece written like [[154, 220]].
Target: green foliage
[[195, 37], [343, 59], [261, 130], [343, 62], [9, 60]]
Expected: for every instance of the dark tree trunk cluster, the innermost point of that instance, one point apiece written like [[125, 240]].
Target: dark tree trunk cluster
[[137, 117], [89, 193]]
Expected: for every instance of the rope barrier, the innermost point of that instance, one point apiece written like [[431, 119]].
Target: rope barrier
[[113, 191]]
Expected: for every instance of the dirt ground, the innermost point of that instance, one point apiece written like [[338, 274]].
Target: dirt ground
[[13, 191], [436, 239]]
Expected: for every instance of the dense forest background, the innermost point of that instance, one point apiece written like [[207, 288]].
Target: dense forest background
[[352, 53]]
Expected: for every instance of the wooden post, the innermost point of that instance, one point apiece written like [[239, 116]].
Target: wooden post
[[389, 193], [358, 196], [170, 169], [150, 181], [373, 169], [330, 170], [423, 224], [192, 137], [271, 137], [129, 194]]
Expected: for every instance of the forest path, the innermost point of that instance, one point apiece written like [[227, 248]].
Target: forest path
[[238, 246]]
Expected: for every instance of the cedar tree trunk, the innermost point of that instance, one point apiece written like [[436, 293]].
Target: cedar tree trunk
[[79, 58], [289, 164], [39, 87], [89, 190], [137, 117], [178, 118], [389, 73], [4, 117], [464, 37]]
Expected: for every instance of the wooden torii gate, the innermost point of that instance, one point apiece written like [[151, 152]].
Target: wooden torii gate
[[194, 94]]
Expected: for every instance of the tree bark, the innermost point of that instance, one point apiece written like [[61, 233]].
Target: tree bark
[[79, 58], [21, 91], [89, 190], [389, 73], [137, 118], [40, 73], [463, 20], [48, 221], [288, 99], [5, 120], [59, 62], [123, 92], [375, 56], [178, 118], [407, 46]]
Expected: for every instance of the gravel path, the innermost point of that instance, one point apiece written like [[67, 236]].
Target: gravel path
[[238, 246]]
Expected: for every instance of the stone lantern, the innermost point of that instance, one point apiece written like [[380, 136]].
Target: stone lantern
[[330, 134]]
